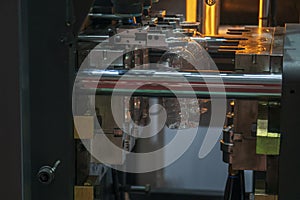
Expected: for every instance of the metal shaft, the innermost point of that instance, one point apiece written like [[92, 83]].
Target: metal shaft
[[153, 83]]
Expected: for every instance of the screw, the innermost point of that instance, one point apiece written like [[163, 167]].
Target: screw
[[210, 2]]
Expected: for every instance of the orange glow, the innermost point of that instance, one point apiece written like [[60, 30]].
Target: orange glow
[[261, 12], [210, 20], [191, 10]]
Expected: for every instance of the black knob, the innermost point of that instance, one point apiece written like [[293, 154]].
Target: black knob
[[46, 174]]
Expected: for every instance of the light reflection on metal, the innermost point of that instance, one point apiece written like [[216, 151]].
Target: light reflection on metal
[[191, 10], [236, 85], [210, 18], [260, 16], [264, 7]]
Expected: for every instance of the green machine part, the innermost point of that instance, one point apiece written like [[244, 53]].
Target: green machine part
[[268, 128]]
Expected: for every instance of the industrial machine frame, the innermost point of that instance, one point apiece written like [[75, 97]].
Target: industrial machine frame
[[36, 121]]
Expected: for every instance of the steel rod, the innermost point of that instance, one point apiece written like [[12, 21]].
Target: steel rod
[[155, 83]]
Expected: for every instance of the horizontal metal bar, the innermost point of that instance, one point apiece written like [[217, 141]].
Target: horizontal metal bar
[[96, 38], [156, 83], [113, 16]]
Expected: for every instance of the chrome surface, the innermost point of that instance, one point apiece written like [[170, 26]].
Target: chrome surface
[[150, 82]]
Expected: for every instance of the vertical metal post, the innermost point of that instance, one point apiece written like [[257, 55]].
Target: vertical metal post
[[289, 163], [264, 9], [10, 102], [191, 10], [210, 17]]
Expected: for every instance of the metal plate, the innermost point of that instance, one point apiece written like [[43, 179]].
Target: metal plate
[[289, 174]]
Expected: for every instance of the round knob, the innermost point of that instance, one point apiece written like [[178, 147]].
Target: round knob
[[46, 174]]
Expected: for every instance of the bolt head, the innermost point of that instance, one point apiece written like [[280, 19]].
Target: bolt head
[[210, 2]]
